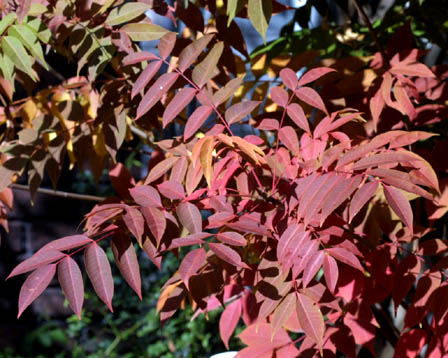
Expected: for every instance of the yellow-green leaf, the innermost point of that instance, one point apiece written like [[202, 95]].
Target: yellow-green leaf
[[233, 8], [39, 29], [207, 68], [14, 49], [260, 12], [37, 9], [6, 21], [126, 12], [29, 40], [144, 32]]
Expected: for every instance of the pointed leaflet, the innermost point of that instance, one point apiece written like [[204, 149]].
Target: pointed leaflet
[[160, 169], [282, 313], [310, 319], [240, 110], [172, 190], [145, 77], [126, 12], [152, 252], [156, 222], [376, 105], [206, 158], [134, 221], [192, 52], [179, 170], [166, 44], [311, 97], [196, 120], [232, 238], [14, 50], [331, 272], [346, 257], [314, 74], [228, 90], [146, 195], [288, 136], [155, 92], [361, 197], [289, 78], [34, 285], [143, 32], [40, 258], [190, 217], [177, 104], [207, 68], [228, 321], [399, 204], [193, 239], [408, 138], [312, 267], [70, 279], [385, 158], [279, 96], [227, 254], [260, 12], [137, 57], [100, 274], [191, 263], [66, 243], [295, 112], [290, 237], [29, 40], [126, 261]]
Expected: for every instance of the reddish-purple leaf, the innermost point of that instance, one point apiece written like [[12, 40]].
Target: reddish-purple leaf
[[415, 69], [232, 238], [145, 77], [296, 113], [190, 217], [289, 78], [179, 170], [193, 239], [331, 272], [408, 138], [196, 120], [191, 263], [70, 279], [279, 96], [40, 258], [177, 104], [316, 186], [135, 222], [310, 319], [34, 285], [227, 254], [288, 136], [240, 110], [192, 52], [283, 312], [314, 74], [207, 69], [302, 255], [411, 344], [152, 252], [376, 105], [160, 169], [166, 44], [385, 158], [228, 321], [155, 92], [399, 204], [66, 243], [219, 219], [156, 221], [100, 274], [228, 90], [260, 334], [172, 190], [361, 197], [290, 238], [126, 261], [146, 196], [269, 124], [346, 257], [137, 57], [313, 265], [311, 97]]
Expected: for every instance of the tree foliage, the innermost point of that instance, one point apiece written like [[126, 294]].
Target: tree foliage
[[313, 223]]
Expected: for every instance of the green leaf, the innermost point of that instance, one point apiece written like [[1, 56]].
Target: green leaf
[[207, 68], [233, 8], [14, 49], [7, 67], [39, 29], [260, 12], [126, 12], [37, 9], [144, 32], [6, 21], [29, 40]]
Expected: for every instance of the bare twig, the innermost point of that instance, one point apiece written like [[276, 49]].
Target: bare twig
[[61, 194]]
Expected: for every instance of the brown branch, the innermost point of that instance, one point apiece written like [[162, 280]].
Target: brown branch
[[367, 22], [61, 194]]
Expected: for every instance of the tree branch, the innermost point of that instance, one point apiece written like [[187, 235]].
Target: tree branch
[[61, 194]]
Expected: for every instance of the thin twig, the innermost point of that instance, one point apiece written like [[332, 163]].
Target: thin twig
[[367, 22], [61, 194]]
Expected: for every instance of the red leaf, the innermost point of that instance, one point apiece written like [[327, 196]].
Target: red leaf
[[66, 243], [146, 196], [166, 44], [291, 237], [415, 69], [346, 257], [228, 321], [34, 285], [313, 265], [172, 190], [376, 105], [70, 279], [192, 52], [232, 238], [399, 204], [227, 254], [160, 169], [385, 158], [289, 78], [177, 104], [331, 272], [190, 217], [135, 222], [411, 344], [193, 239], [408, 138], [289, 138], [121, 180], [179, 170], [361, 197], [295, 112], [191, 263], [260, 334], [40, 258], [310, 319], [196, 120], [145, 77], [283, 312], [228, 90], [156, 221], [311, 97], [137, 57], [314, 74], [207, 69], [240, 110], [100, 274], [152, 253], [155, 92], [279, 96]]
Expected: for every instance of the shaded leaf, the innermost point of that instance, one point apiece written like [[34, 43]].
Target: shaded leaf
[[145, 77], [40, 258], [399, 204], [361, 197], [192, 52], [177, 104], [190, 217], [310, 319], [191, 263], [227, 254], [207, 68], [70, 279]]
